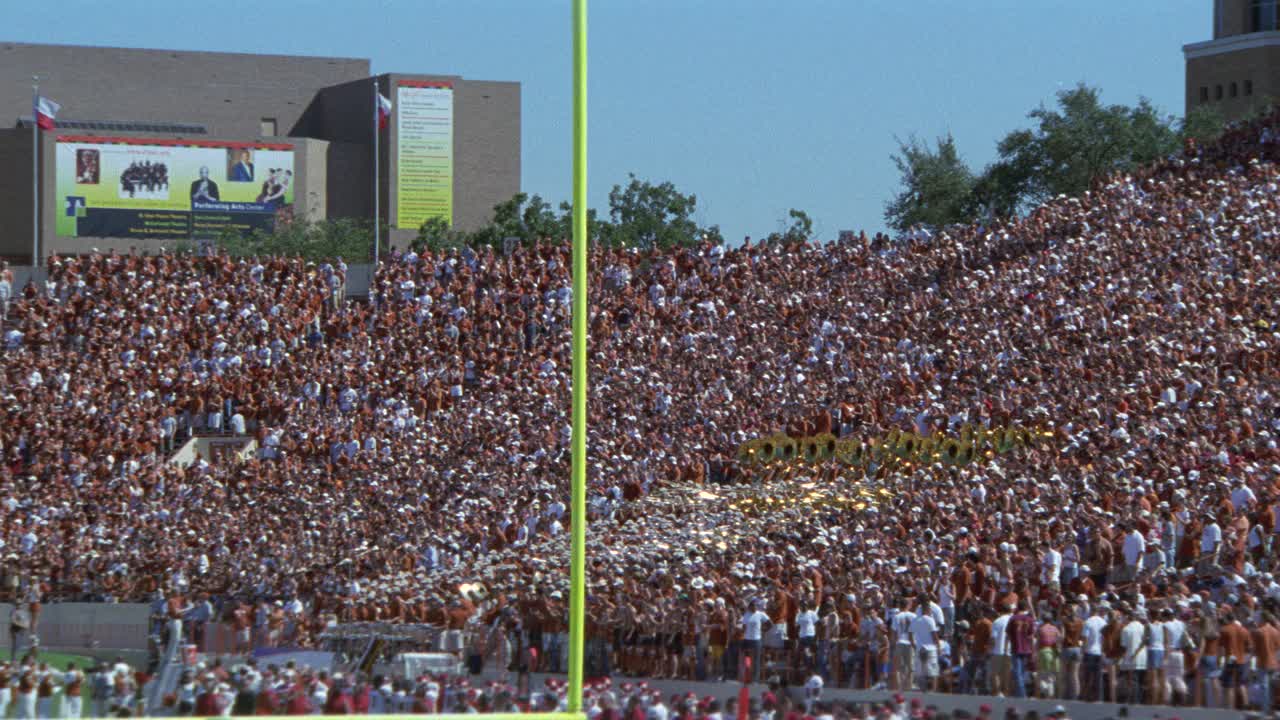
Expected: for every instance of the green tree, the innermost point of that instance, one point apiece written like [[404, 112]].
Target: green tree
[[799, 230], [937, 186], [1070, 146], [996, 192], [435, 234], [320, 240], [598, 231], [646, 215], [1204, 124], [642, 214]]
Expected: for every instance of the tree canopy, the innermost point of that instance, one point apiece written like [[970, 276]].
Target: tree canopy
[[937, 185], [641, 214], [347, 238], [1068, 145]]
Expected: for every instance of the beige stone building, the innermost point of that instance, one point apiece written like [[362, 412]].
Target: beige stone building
[[1239, 68]]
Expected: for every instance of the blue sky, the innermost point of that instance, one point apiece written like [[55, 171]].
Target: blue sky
[[756, 107]]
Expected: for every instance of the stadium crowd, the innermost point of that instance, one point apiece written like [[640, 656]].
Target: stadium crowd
[[411, 458]]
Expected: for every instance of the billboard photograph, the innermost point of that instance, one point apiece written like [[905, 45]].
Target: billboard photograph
[[144, 187]]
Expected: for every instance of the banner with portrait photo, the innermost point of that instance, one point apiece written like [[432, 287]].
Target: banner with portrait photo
[[154, 188]]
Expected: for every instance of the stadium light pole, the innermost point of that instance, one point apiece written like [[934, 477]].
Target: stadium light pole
[[578, 482]]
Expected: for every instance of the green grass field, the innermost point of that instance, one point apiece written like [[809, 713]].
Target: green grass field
[[61, 660]]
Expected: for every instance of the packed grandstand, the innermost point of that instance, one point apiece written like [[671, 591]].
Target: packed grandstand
[[412, 450]]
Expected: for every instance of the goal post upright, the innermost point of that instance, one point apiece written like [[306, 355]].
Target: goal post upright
[[578, 481]]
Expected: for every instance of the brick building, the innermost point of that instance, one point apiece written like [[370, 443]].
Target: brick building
[[1239, 69]]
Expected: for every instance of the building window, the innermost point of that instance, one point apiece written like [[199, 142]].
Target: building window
[[1234, 90], [1262, 15], [267, 128], [1248, 87], [1217, 92], [1204, 94]]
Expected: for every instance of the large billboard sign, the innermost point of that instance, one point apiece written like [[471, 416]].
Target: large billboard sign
[[424, 152], [151, 188]]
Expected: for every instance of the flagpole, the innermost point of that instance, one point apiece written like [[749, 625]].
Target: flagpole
[[35, 170], [377, 209]]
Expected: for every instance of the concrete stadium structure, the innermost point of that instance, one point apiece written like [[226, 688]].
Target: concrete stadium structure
[[320, 106]]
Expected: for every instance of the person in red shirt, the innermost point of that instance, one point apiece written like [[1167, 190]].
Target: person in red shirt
[[268, 700], [299, 701], [360, 698], [1021, 631], [211, 702], [421, 703], [340, 701]]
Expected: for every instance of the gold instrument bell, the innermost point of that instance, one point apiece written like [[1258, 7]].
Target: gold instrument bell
[[950, 451], [819, 447], [849, 452], [749, 453], [784, 447]]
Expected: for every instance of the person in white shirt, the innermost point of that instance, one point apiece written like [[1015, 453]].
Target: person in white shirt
[[946, 593], [1093, 666], [1070, 562], [924, 639], [1210, 536], [1241, 496], [658, 711], [1155, 557], [754, 624], [812, 693], [1132, 551], [1133, 663], [1001, 665], [6, 688], [1175, 639], [807, 630], [1050, 565], [903, 657], [1156, 650]]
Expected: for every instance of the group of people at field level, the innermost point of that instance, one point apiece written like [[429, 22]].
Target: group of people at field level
[[1216, 648], [33, 690]]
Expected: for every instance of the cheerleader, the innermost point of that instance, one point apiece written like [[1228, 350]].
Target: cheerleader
[[44, 693], [25, 698], [6, 688], [72, 683]]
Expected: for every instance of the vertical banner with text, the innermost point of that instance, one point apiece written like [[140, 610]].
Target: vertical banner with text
[[424, 152]]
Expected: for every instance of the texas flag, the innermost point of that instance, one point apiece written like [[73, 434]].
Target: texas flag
[[45, 111], [384, 111]]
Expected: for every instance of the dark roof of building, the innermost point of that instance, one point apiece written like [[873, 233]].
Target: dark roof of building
[[124, 126]]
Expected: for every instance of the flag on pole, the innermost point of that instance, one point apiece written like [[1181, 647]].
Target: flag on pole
[[384, 111], [45, 111]]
